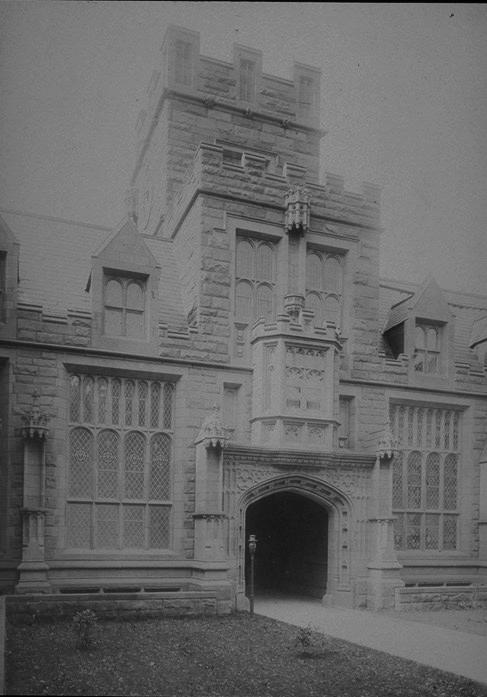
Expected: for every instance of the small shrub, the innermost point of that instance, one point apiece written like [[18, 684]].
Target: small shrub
[[85, 623], [309, 643]]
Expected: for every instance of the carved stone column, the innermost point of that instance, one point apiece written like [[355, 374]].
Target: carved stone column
[[33, 570], [209, 518], [384, 567]]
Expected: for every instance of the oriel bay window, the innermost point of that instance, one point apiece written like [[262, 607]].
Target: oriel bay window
[[425, 478], [119, 470]]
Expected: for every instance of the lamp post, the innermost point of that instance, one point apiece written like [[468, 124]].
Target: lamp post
[[252, 547]]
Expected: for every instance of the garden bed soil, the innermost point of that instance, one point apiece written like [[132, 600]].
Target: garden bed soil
[[224, 656]]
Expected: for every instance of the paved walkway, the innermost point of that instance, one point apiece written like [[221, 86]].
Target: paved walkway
[[446, 649]]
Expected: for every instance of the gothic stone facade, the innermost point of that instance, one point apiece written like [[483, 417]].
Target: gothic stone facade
[[227, 362]]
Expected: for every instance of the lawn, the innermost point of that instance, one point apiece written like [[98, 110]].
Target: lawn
[[226, 656]]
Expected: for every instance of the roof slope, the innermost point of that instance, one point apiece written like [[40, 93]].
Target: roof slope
[[56, 259], [466, 309]]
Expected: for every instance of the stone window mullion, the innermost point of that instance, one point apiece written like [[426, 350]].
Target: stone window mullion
[[432, 435], [118, 512]]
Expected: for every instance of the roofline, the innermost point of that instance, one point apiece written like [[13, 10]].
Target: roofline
[[411, 287], [11, 211]]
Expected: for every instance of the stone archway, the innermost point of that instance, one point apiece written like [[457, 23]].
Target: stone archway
[[314, 557], [292, 534]]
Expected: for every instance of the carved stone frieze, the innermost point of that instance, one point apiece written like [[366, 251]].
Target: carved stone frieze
[[246, 477]]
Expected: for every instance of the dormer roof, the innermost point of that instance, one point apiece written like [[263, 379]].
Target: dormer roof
[[56, 258], [428, 302]]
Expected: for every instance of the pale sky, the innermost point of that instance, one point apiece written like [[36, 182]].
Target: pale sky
[[404, 102]]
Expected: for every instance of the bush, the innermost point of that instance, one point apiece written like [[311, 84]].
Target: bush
[[85, 623]]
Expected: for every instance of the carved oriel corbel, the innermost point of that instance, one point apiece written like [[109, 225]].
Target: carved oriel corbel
[[35, 421], [297, 202], [213, 432], [387, 444]]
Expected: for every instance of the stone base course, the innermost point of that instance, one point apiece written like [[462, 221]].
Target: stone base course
[[30, 609], [441, 597]]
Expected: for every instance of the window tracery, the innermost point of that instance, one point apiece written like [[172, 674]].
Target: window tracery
[[119, 478], [324, 285], [255, 279], [425, 477]]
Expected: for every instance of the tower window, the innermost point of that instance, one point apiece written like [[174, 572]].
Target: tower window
[[324, 286], [255, 280], [307, 95], [247, 80], [183, 51]]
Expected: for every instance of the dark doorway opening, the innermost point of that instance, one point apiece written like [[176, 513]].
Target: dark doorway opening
[[292, 550]]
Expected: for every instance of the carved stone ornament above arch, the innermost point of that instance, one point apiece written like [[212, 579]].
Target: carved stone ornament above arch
[[319, 490]]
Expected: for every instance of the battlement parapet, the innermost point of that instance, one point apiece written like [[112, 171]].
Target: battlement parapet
[[256, 178], [301, 327], [238, 86]]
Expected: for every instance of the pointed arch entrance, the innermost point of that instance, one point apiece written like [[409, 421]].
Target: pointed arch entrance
[[292, 534], [303, 537]]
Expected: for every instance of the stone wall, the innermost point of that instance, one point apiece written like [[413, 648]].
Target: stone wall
[[441, 597], [116, 606]]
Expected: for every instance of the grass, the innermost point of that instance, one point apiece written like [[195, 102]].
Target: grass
[[226, 656]]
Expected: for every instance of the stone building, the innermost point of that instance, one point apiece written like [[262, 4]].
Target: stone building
[[228, 362]]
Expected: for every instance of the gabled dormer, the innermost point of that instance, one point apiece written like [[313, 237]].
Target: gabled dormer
[[478, 340], [124, 286], [9, 279], [421, 327]]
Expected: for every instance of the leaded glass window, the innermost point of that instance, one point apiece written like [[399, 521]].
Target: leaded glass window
[[120, 454], [324, 285], [425, 477]]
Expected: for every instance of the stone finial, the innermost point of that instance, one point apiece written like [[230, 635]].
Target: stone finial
[[212, 431], [387, 444], [35, 421], [297, 214]]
